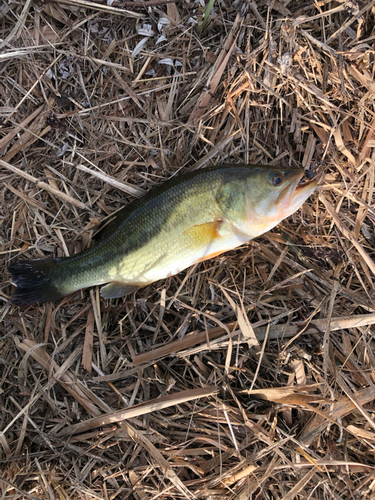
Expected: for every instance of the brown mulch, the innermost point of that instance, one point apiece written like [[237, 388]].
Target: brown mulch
[[251, 375]]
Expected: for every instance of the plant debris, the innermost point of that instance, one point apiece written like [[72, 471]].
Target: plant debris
[[247, 376]]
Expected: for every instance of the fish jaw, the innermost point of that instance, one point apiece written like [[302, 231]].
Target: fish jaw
[[285, 198], [295, 197]]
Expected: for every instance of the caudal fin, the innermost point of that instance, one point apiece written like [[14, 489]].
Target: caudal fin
[[33, 279]]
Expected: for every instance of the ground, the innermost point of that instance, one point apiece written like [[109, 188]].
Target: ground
[[250, 375]]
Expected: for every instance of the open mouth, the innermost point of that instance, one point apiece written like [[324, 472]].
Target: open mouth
[[303, 183], [294, 194], [301, 190]]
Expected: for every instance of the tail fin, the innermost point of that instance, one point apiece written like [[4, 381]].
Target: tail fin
[[33, 279]]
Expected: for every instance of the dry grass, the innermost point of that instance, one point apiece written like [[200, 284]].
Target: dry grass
[[248, 376]]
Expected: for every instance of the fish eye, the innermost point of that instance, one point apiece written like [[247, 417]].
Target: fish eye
[[276, 179]]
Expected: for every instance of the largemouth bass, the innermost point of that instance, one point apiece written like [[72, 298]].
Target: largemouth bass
[[189, 219]]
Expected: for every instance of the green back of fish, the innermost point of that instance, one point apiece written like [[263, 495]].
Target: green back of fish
[[181, 186]]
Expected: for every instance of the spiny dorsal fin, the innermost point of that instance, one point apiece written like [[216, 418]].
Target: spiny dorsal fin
[[109, 224]]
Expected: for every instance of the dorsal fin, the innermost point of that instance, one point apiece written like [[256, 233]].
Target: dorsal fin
[[109, 224]]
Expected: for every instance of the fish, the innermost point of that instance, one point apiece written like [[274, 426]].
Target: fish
[[188, 219]]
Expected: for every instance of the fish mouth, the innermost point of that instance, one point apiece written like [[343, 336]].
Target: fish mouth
[[297, 192], [303, 190]]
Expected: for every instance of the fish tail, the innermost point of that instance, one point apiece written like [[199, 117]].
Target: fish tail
[[35, 281]]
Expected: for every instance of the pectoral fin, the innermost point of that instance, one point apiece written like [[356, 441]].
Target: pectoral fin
[[117, 289], [204, 234]]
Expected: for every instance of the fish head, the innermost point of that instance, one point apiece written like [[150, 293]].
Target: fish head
[[263, 197], [273, 194]]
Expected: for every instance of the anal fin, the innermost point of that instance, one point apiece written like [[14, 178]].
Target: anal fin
[[211, 255], [117, 289]]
